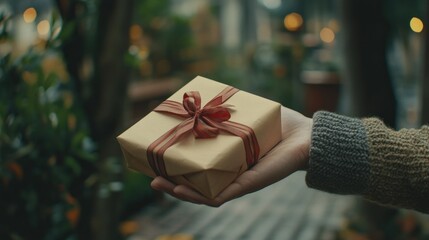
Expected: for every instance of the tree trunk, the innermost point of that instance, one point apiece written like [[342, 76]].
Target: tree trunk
[[106, 110], [368, 83]]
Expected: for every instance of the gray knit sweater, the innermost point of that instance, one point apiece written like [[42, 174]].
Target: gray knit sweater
[[363, 156]]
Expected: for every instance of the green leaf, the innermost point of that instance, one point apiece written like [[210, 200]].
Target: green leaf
[[72, 164], [67, 30]]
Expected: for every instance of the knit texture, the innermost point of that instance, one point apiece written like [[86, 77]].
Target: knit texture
[[399, 166], [353, 156], [338, 155]]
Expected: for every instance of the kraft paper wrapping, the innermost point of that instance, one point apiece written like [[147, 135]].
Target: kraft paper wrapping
[[207, 165]]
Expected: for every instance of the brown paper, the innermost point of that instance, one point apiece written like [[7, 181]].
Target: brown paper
[[207, 165]]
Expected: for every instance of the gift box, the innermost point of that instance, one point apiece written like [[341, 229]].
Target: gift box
[[204, 136]]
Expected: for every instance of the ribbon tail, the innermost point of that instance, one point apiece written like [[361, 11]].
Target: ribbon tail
[[222, 96]]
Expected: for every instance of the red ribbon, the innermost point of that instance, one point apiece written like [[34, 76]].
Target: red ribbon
[[204, 122]]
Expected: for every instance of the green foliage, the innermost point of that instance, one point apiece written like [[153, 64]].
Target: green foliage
[[137, 191], [166, 36], [150, 9], [45, 151], [3, 27]]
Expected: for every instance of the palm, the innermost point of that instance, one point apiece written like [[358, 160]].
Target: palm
[[290, 155]]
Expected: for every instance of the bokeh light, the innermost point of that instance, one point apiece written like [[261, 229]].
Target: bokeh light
[[43, 28], [29, 15], [416, 24], [272, 4], [135, 32], [293, 21], [327, 35]]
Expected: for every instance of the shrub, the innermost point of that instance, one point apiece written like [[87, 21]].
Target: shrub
[[45, 150]]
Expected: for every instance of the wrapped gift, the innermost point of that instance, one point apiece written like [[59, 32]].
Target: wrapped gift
[[204, 136]]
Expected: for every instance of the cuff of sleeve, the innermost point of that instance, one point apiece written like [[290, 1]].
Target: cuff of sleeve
[[338, 154]]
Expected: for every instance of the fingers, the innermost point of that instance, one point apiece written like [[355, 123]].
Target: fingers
[[191, 195], [162, 184], [187, 194], [233, 191], [178, 191]]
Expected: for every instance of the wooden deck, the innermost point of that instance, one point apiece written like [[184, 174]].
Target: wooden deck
[[285, 210]]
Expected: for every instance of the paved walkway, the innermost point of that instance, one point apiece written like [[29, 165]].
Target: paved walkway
[[285, 210]]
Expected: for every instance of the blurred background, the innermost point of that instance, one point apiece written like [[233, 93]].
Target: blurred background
[[76, 73]]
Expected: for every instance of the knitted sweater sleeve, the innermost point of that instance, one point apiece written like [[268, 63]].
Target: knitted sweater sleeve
[[363, 156]]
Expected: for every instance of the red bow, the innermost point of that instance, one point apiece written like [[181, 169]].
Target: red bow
[[204, 122]]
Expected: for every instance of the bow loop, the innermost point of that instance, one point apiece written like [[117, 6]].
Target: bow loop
[[213, 110], [192, 102]]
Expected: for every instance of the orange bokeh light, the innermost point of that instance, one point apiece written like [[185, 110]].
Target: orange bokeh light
[[29, 15], [293, 21]]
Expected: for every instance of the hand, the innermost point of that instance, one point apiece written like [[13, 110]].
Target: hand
[[287, 157]]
